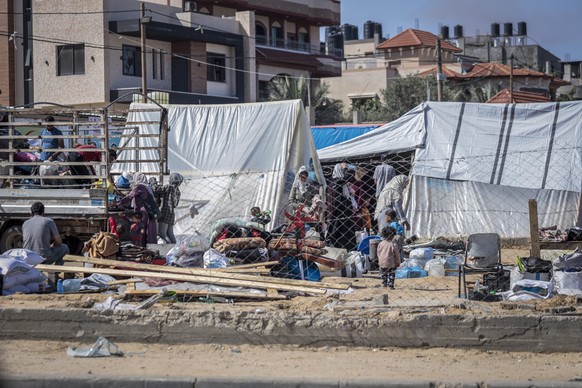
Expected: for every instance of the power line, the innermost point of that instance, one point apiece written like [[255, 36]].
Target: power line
[[68, 13]]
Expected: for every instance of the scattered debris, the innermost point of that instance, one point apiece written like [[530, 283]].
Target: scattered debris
[[102, 348]]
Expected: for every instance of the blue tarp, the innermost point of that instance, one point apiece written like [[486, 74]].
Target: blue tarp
[[327, 135]]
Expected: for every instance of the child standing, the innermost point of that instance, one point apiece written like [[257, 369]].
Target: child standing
[[388, 257], [392, 221], [137, 230]]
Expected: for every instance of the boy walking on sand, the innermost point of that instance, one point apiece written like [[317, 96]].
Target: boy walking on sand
[[388, 257]]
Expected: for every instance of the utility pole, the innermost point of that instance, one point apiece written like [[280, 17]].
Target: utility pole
[[511, 79], [142, 29], [439, 71]]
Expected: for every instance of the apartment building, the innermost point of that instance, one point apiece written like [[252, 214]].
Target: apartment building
[[88, 53], [371, 64]]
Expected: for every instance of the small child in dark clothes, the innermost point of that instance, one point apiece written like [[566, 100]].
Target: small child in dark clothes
[[137, 230], [392, 221], [388, 257]]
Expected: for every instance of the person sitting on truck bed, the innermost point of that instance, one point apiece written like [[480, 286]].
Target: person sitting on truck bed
[[50, 143], [41, 235]]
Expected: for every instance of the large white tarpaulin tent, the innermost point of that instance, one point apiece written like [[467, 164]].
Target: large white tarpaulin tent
[[477, 165], [234, 156]]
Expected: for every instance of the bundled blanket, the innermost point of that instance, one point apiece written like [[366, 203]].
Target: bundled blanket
[[238, 244]]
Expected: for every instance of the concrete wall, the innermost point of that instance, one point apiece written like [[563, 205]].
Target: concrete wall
[[115, 79], [86, 88], [517, 333], [247, 23], [266, 72], [365, 82]]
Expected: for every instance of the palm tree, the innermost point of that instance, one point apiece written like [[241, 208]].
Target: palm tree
[[288, 88], [327, 111]]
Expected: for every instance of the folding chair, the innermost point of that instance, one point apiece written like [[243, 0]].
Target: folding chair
[[480, 246]]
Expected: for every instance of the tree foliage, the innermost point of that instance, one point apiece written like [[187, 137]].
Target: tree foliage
[[327, 111], [403, 94]]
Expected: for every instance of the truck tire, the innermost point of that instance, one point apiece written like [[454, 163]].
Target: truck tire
[[11, 238]]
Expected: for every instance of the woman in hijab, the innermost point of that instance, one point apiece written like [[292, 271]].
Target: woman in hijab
[[170, 198], [391, 198], [141, 199], [300, 191], [342, 226]]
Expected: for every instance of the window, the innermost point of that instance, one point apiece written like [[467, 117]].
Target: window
[[71, 59], [304, 42], [215, 68], [131, 57], [261, 33], [189, 6], [276, 35]]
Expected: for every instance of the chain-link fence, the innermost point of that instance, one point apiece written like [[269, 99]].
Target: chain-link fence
[[334, 228]]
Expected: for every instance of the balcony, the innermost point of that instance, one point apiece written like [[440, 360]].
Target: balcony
[[264, 41]]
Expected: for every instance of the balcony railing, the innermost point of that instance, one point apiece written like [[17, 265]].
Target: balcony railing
[[262, 40]]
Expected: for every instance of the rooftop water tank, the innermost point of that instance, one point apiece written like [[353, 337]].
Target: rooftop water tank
[[494, 30], [522, 29], [458, 30], [350, 32], [371, 28], [507, 29], [445, 32]]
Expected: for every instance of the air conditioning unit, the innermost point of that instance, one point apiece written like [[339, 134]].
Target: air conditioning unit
[[190, 6]]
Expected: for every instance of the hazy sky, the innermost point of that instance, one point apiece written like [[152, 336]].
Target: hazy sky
[[556, 25]]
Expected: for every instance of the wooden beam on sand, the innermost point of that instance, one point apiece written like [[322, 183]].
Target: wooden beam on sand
[[193, 278], [202, 272], [202, 293], [249, 266]]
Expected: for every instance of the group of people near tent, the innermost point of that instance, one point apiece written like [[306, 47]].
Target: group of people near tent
[[354, 201]]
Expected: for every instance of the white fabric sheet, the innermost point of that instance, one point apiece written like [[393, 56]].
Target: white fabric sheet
[[403, 134], [234, 156], [439, 207]]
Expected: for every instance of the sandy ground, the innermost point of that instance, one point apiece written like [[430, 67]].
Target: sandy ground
[[49, 359], [424, 295], [433, 295]]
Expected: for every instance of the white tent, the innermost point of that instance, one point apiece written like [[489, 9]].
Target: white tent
[[477, 165], [403, 134], [234, 156]]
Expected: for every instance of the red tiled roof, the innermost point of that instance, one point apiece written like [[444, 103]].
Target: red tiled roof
[[450, 74], [416, 38], [518, 98], [491, 69]]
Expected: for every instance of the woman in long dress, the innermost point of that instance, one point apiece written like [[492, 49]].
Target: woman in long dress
[[342, 226], [391, 198], [170, 197], [138, 198]]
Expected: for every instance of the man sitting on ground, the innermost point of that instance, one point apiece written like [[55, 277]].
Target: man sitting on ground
[[42, 236]]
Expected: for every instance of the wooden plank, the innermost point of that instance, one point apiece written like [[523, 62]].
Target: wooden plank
[[534, 231], [252, 271], [561, 245], [201, 271], [245, 266], [124, 281], [247, 295], [185, 278]]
